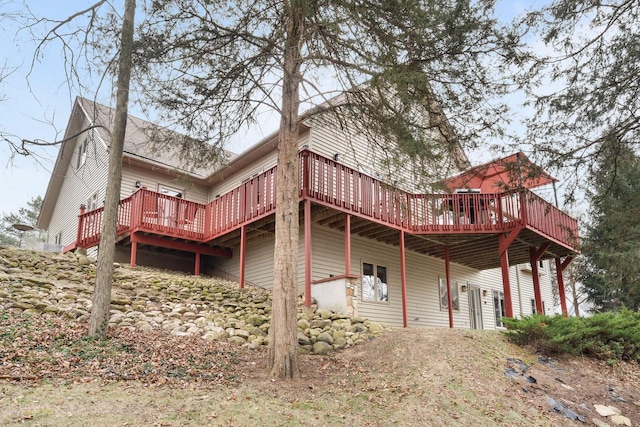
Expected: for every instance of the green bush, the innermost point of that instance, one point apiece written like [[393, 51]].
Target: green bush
[[607, 336]]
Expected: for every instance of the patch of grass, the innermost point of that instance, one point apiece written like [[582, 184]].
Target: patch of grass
[[607, 336]]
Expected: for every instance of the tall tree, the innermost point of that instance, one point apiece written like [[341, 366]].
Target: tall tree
[[27, 215], [213, 66], [99, 320], [611, 260], [583, 80], [78, 45]]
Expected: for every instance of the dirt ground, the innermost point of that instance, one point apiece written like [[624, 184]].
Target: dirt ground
[[406, 377]]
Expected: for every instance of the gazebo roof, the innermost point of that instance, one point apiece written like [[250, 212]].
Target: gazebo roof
[[499, 175]]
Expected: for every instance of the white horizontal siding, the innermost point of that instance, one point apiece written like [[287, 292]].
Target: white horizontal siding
[[356, 152], [78, 186], [234, 180], [153, 181], [423, 273]]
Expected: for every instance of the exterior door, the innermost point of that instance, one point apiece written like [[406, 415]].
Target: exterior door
[[475, 307], [168, 208]]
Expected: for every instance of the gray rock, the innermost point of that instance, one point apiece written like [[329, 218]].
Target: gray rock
[[214, 335], [256, 320], [375, 328], [144, 326], [303, 339], [321, 347], [22, 305], [323, 314], [303, 324], [237, 340], [620, 420], [320, 323], [339, 343], [241, 333], [326, 337]]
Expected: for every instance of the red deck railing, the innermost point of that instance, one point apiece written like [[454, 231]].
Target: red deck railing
[[335, 185]]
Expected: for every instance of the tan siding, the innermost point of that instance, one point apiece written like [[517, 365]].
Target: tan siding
[[356, 152], [153, 180], [234, 180], [423, 273], [422, 279], [258, 261], [78, 186]]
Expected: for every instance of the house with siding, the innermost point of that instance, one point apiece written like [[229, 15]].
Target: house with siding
[[373, 241]]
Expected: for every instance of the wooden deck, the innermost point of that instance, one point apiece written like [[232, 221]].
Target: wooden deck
[[468, 224]]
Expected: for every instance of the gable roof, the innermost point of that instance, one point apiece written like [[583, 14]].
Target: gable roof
[[140, 149]]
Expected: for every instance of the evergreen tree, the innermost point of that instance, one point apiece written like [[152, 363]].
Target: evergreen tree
[[212, 66], [611, 266], [581, 74], [27, 215]]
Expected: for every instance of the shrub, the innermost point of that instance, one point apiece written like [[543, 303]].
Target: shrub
[[607, 336]]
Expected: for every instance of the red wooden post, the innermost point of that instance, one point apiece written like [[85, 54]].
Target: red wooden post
[[560, 267], [306, 173], [243, 247], [307, 252], [347, 244], [80, 225], [504, 241], [534, 257], [403, 280], [197, 267], [447, 275], [536, 280], [134, 249]]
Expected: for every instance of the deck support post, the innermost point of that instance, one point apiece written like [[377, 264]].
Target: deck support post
[[347, 244], [534, 257], [504, 241], [403, 280], [560, 266], [243, 248], [447, 275], [134, 251], [307, 252], [196, 271]]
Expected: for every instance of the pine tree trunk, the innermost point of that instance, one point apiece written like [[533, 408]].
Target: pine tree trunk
[[576, 300], [283, 342], [99, 320]]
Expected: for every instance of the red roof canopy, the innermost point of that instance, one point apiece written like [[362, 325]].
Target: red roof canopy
[[500, 175]]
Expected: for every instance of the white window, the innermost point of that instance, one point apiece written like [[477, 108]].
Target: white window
[[82, 152], [58, 239], [374, 283], [499, 307], [444, 298], [92, 202]]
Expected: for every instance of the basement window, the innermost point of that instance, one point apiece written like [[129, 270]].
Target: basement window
[[374, 283], [444, 298]]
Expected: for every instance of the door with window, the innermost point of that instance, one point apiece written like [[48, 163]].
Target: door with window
[[475, 307], [168, 207]]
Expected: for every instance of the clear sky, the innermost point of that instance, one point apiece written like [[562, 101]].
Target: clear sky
[[38, 108]]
